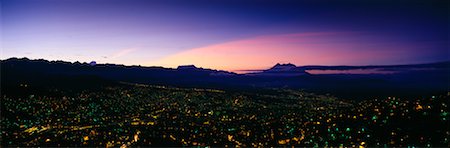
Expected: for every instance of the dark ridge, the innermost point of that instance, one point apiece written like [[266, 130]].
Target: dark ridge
[[430, 79]]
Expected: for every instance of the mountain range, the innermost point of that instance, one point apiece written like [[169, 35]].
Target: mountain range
[[390, 80]]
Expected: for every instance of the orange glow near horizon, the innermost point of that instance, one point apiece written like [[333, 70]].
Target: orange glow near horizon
[[262, 52]]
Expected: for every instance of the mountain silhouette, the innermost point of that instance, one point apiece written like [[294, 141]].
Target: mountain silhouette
[[282, 70], [408, 80]]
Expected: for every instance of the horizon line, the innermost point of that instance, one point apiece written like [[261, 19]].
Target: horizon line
[[233, 71]]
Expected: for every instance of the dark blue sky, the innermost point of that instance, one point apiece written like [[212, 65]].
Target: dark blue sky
[[176, 32]]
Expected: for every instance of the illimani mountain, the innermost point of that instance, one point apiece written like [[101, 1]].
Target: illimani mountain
[[405, 80], [282, 70]]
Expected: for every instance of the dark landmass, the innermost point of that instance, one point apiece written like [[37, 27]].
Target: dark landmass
[[407, 81], [56, 103]]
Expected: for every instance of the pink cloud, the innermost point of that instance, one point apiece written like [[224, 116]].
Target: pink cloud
[[321, 48]]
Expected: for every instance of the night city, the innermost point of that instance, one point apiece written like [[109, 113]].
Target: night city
[[224, 73]]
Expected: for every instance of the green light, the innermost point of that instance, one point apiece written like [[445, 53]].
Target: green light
[[374, 117], [291, 130]]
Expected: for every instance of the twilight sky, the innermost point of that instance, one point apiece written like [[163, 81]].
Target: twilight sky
[[229, 35]]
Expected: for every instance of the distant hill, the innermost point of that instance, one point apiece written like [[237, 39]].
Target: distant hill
[[282, 70], [407, 80]]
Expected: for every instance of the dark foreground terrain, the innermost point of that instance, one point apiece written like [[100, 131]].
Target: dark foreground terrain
[[407, 81], [143, 115]]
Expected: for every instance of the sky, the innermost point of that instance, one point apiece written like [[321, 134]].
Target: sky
[[227, 35]]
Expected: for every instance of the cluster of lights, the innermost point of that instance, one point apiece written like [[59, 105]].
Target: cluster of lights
[[156, 115]]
